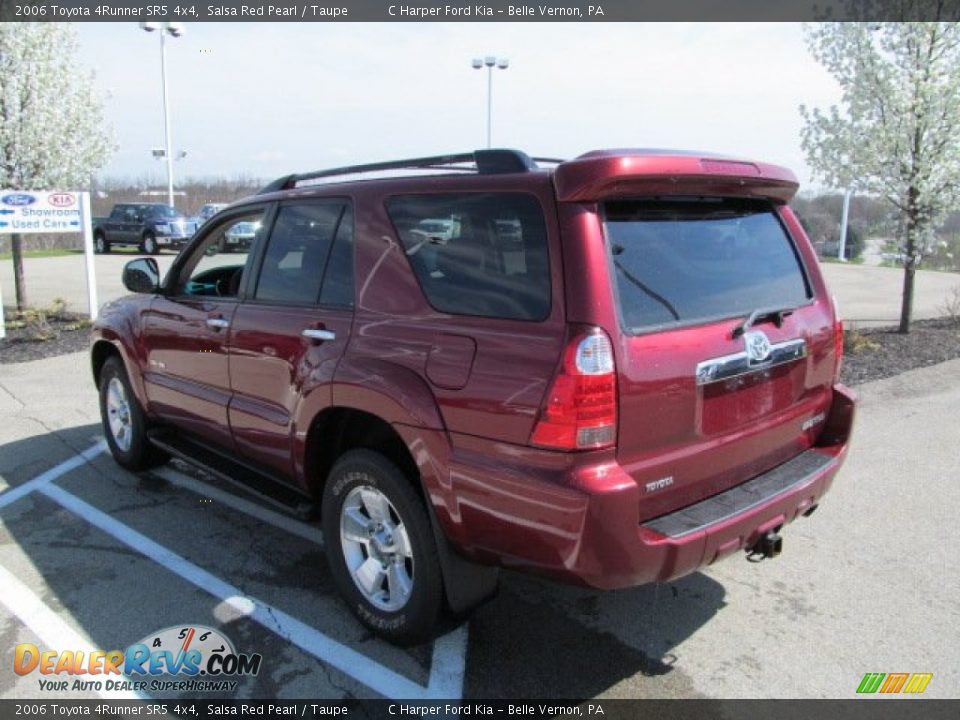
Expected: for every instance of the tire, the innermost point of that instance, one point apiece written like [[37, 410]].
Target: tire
[[100, 244], [402, 594], [149, 245], [124, 424]]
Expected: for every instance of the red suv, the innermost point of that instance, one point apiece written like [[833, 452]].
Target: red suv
[[611, 370]]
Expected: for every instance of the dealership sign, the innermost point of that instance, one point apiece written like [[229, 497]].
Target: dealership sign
[[23, 211]]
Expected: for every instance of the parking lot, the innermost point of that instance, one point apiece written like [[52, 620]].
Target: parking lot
[[92, 557]]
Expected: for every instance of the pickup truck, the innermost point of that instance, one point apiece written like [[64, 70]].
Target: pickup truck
[[149, 226]]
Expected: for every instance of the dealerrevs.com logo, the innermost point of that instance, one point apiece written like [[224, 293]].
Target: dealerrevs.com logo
[[192, 658]]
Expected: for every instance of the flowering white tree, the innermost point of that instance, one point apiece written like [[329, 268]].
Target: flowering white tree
[[898, 132], [52, 133]]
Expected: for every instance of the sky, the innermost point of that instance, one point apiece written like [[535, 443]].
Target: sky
[[267, 99]]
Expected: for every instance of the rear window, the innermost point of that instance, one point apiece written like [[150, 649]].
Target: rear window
[[477, 254], [680, 262]]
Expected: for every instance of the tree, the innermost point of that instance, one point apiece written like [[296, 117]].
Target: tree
[[897, 134], [52, 133]]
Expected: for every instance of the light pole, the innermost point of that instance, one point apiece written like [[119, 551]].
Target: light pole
[[174, 29], [489, 62]]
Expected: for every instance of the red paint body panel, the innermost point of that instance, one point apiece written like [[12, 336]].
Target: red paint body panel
[[464, 393], [621, 173], [274, 370], [186, 373]]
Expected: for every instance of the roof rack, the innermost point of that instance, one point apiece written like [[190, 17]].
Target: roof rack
[[486, 162]]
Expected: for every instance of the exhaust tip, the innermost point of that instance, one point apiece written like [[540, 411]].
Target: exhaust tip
[[769, 545]]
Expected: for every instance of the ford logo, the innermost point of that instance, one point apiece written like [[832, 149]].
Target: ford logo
[[18, 199]]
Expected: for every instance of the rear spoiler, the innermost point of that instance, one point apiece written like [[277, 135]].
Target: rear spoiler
[[607, 174]]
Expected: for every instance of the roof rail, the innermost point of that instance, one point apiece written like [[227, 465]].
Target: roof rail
[[486, 162]]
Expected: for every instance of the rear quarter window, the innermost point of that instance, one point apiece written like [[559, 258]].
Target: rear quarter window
[[681, 262], [481, 254]]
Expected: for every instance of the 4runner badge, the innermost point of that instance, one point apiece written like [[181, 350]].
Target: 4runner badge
[[758, 346]]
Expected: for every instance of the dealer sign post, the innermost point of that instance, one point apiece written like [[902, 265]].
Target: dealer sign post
[[28, 211]]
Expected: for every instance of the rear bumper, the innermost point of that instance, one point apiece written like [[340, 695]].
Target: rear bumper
[[237, 243], [580, 524], [172, 240]]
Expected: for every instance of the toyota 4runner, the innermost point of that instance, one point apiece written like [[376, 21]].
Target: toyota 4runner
[[611, 370]]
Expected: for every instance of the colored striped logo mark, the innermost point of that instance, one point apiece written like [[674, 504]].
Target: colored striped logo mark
[[914, 683]]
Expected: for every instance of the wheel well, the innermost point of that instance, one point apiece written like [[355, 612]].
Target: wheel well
[[101, 351], [337, 430]]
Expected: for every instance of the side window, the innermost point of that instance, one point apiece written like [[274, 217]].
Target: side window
[[477, 254], [211, 272], [338, 277], [297, 253]]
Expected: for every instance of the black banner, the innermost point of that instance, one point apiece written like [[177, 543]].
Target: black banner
[[488, 11], [872, 709]]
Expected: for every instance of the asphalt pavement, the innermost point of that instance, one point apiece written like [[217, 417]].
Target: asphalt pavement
[[92, 556]]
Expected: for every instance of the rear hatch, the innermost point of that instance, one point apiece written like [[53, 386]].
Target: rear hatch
[[725, 354]]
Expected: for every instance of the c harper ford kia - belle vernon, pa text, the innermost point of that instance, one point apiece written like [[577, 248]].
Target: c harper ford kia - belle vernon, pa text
[[611, 370]]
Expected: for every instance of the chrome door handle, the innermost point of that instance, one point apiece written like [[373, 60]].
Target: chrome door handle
[[319, 334], [218, 323]]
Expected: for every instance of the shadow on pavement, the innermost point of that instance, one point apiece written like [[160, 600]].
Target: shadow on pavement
[[537, 639], [544, 640]]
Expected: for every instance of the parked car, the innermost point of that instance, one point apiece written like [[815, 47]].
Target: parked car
[[149, 226], [240, 237], [642, 379], [208, 211]]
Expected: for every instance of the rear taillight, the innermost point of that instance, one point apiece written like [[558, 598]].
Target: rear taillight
[[580, 409], [837, 341]]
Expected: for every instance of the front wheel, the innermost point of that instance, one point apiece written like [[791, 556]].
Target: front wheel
[[100, 244], [380, 547], [123, 420]]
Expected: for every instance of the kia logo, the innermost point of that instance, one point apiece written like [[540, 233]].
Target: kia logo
[[18, 199], [61, 199]]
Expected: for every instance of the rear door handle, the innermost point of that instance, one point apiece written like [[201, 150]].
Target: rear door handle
[[319, 334], [218, 323]]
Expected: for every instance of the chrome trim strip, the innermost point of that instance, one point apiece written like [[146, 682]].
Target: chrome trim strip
[[731, 366]]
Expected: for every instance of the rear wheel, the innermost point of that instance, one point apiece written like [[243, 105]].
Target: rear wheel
[[123, 420], [380, 547], [100, 244], [150, 246]]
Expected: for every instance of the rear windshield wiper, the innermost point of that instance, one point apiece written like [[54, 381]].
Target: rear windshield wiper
[[774, 314]]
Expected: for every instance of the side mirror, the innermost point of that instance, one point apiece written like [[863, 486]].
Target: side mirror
[[141, 276]]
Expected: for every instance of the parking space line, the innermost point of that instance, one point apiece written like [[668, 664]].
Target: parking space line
[[50, 628], [15, 493], [377, 677], [448, 664], [248, 507]]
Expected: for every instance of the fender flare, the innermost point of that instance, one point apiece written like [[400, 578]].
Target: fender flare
[[115, 342], [392, 392]]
